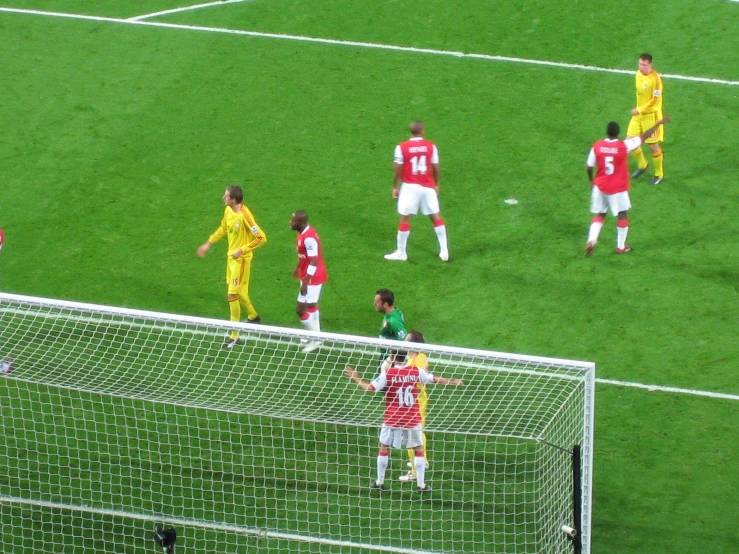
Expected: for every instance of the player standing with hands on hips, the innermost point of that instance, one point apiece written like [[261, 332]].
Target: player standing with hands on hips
[[416, 186], [312, 274], [610, 185]]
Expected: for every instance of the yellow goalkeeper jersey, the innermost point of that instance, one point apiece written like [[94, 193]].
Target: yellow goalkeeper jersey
[[421, 361], [241, 229], [649, 90]]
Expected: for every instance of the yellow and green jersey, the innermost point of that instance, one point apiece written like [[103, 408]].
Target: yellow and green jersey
[[241, 229]]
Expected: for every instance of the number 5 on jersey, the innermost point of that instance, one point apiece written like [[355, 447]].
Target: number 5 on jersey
[[608, 160]]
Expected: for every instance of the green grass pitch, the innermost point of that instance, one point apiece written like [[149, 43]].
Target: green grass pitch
[[118, 140]]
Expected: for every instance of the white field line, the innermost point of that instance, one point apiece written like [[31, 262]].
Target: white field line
[[676, 390], [373, 45], [261, 533], [184, 9]]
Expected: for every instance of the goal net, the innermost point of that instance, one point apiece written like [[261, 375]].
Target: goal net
[[115, 421]]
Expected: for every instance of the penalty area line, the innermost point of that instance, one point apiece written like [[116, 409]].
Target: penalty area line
[[185, 9], [373, 45], [676, 390]]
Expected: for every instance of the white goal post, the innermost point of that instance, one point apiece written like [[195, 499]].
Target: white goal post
[[115, 421]]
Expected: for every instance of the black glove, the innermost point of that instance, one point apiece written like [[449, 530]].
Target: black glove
[[165, 538]]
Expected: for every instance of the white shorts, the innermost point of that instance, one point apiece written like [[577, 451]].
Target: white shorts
[[401, 438], [600, 203], [413, 197], [311, 296]]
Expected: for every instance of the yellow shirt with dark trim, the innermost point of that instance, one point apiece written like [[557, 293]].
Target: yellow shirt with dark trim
[[241, 229], [649, 90], [421, 361]]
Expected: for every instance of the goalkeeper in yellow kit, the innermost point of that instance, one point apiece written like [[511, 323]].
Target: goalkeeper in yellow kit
[[244, 235], [421, 361], [649, 94]]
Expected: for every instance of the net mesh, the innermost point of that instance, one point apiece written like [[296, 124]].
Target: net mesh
[[116, 420]]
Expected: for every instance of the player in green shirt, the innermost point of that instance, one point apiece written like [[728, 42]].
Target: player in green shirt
[[393, 324]]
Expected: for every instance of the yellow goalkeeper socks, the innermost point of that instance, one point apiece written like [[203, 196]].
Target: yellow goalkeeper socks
[[251, 312], [641, 160], [235, 309], [658, 158]]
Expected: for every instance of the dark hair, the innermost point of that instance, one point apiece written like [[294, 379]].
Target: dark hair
[[646, 57], [613, 129], [415, 336], [387, 296], [398, 355], [235, 192]]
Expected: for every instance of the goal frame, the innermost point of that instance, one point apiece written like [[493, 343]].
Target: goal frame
[[582, 475]]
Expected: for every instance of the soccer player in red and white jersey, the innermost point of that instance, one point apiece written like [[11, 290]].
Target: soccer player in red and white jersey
[[402, 426], [416, 186], [312, 274], [610, 185]]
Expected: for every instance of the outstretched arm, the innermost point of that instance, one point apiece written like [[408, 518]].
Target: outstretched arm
[[445, 381], [354, 376], [646, 134]]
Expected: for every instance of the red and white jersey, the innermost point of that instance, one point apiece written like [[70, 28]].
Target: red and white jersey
[[309, 248], [416, 156], [610, 157], [400, 384]]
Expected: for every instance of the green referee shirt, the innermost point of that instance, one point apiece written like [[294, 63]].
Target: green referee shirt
[[393, 326]]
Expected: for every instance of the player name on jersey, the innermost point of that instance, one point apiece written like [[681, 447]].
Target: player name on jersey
[[397, 379], [417, 156]]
